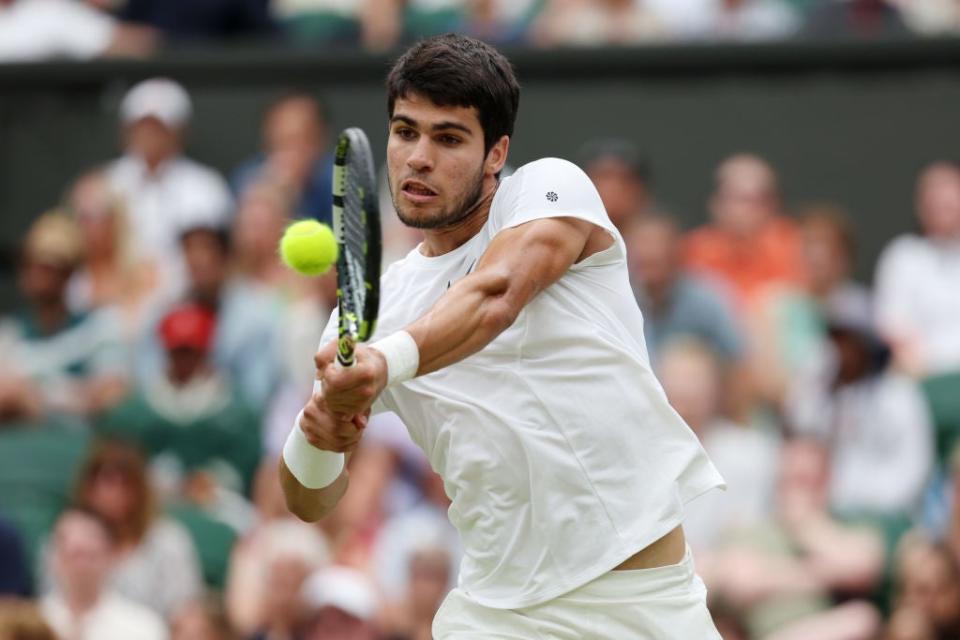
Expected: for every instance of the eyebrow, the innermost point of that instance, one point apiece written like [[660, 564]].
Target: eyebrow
[[440, 126]]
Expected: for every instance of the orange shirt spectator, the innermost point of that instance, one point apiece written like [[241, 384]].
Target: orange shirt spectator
[[749, 245]]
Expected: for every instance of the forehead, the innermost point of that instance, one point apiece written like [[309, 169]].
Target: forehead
[[427, 113]]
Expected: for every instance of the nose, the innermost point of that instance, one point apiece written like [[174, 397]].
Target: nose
[[421, 157]]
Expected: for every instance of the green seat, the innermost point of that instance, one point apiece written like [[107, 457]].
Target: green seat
[[38, 464], [943, 396], [213, 539]]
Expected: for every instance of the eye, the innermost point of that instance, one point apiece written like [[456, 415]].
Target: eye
[[405, 133], [450, 140]]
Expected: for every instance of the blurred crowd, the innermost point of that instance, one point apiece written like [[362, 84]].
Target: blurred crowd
[[83, 29], [161, 352]]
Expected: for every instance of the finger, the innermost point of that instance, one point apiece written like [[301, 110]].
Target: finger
[[360, 422], [325, 355]]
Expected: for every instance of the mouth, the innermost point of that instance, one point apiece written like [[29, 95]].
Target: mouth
[[417, 191]]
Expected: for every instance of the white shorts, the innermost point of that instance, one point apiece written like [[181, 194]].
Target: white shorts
[[665, 603]]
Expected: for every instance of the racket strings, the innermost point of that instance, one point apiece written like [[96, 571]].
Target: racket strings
[[355, 229]]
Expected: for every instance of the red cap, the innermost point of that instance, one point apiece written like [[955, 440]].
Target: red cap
[[189, 326]]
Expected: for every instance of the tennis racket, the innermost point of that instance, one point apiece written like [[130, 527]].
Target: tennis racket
[[356, 224]]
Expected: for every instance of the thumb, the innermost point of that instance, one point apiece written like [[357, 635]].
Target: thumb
[[325, 356]]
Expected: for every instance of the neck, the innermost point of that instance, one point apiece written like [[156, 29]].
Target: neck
[[52, 316], [81, 599], [437, 242]]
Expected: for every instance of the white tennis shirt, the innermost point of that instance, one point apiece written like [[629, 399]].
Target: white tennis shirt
[[556, 443]]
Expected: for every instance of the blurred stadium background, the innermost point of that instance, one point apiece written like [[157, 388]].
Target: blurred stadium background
[[784, 173]]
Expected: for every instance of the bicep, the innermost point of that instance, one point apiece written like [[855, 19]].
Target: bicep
[[530, 257]]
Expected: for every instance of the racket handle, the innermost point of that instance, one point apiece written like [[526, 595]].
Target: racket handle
[[345, 348]]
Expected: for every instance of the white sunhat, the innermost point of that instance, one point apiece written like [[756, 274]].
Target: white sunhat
[[159, 98], [342, 587]]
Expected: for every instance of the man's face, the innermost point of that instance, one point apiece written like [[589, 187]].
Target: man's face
[[622, 192], [436, 162], [152, 140], [207, 262], [653, 254], [42, 282], [938, 201]]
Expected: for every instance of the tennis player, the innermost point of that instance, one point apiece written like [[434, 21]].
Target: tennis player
[[510, 344]]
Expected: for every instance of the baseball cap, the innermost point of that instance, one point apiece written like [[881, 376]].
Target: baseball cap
[[159, 98], [189, 326], [343, 588]]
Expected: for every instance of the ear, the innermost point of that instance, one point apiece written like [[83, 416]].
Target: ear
[[497, 156]]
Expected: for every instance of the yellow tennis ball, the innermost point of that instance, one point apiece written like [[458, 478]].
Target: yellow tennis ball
[[308, 247]]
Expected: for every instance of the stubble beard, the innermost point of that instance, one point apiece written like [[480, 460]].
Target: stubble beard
[[448, 216]]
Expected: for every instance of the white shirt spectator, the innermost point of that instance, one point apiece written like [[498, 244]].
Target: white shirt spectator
[[918, 299], [179, 195], [113, 618], [706, 19], [39, 29], [750, 487], [880, 434]]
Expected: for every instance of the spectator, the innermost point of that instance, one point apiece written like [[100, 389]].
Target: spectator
[[930, 17], [387, 22], [725, 19], [420, 525], [789, 327], [110, 275], [154, 561], [185, 21], [854, 18], [827, 252], [21, 620], [622, 180], [32, 30], [750, 245], [918, 309], [267, 570], [876, 420], [55, 361], [247, 319], [500, 22], [929, 586], [192, 421], [196, 621], [318, 22], [675, 302], [692, 378], [262, 216], [585, 23], [83, 607], [342, 605], [753, 20], [428, 584], [162, 191], [781, 574], [295, 157], [14, 575], [305, 315]]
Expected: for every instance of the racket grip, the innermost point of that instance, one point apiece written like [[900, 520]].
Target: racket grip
[[345, 348]]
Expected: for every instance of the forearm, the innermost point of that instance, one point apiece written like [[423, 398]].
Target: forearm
[[310, 504], [467, 318], [843, 558]]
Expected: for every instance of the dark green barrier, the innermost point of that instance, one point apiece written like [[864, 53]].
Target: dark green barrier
[[850, 123]]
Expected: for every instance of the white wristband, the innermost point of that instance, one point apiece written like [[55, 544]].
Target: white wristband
[[402, 355], [313, 468]]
